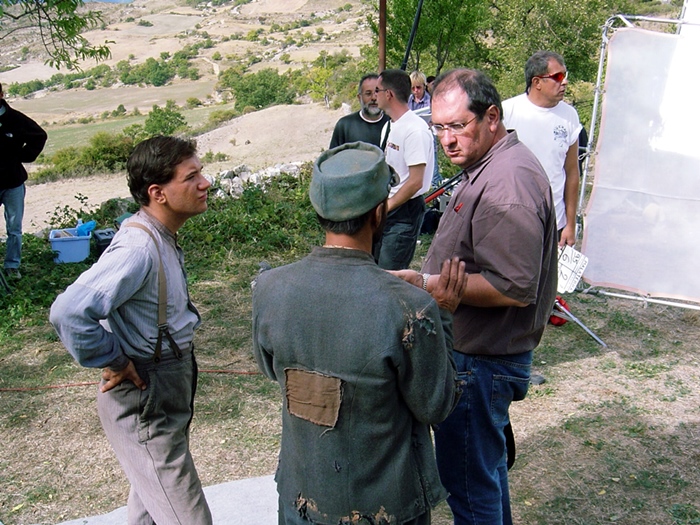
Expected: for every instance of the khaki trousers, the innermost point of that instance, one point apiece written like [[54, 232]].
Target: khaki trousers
[[149, 432]]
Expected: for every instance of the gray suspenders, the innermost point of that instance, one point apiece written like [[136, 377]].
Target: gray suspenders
[[162, 301]]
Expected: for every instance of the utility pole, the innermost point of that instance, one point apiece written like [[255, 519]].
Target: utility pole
[[382, 35]]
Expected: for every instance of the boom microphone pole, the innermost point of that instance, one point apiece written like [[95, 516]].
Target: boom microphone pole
[[444, 187], [414, 29]]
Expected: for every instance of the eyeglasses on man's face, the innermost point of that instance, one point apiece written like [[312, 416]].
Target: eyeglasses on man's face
[[458, 128], [558, 77], [377, 89]]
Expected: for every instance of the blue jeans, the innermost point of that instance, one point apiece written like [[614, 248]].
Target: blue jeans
[[398, 244], [470, 444], [13, 201]]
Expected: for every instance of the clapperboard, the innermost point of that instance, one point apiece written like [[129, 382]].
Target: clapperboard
[[571, 266]]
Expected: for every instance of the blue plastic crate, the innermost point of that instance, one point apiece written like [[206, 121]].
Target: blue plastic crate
[[68, 246]]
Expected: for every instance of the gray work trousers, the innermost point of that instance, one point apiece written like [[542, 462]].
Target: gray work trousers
[[149, 432]]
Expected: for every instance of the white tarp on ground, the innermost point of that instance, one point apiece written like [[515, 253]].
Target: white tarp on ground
[[643, 218]]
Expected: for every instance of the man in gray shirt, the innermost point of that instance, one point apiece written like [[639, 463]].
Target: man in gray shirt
[[131, 315]]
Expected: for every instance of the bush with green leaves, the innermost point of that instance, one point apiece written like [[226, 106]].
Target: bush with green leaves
[[64, 163], [210, 156], [164, 121], [152, 71], [275, 217], [107, 152], [259, 90], [104, 153], [220, 116], [193, 102]]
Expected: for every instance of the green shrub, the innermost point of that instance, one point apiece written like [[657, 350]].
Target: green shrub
[[274, 218], [119, 112], [222, 115], [135, 132], [104, 153], [259, 90], [193, 102], [164, 121], [210, 156], [64, 163], [107, 152], [253, 35]]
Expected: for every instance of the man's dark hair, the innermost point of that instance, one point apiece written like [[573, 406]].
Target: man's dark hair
[[430, 79], [348, 227], [362, 81], [397, 81], [1, 88], [153, 161], [478, 87], [538, 65]]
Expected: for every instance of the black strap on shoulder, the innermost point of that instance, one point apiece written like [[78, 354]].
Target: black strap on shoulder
[[385, 135]]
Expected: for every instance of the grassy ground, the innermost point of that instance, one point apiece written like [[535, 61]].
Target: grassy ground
[[612, 436]]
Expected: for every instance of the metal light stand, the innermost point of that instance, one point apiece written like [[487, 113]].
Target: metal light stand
[[560, 311]]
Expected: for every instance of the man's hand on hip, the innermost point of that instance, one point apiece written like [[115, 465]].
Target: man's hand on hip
[[113, 378]]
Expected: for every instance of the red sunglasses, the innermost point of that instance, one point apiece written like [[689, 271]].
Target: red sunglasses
[[557, 77]]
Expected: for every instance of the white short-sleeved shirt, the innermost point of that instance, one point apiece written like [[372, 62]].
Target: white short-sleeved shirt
[[548, 133], [410, 143]]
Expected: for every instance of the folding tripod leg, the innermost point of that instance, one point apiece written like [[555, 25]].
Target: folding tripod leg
[[563, 312]]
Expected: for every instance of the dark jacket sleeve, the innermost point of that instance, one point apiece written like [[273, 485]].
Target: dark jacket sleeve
[[33, 139]]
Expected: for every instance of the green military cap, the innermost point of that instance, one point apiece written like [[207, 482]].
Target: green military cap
[[350, 180]]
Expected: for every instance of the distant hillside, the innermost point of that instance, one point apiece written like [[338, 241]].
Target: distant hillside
[[282, 34]]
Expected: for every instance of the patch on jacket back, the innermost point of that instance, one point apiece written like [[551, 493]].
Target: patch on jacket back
[[312, 396]]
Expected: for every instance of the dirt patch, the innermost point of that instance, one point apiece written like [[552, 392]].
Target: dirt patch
[[275, 135]]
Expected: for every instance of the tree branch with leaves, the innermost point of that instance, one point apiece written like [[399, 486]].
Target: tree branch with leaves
[[60, 25]]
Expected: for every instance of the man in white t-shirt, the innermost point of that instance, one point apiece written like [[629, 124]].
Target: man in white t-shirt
[[410, 151], [550, 128]]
